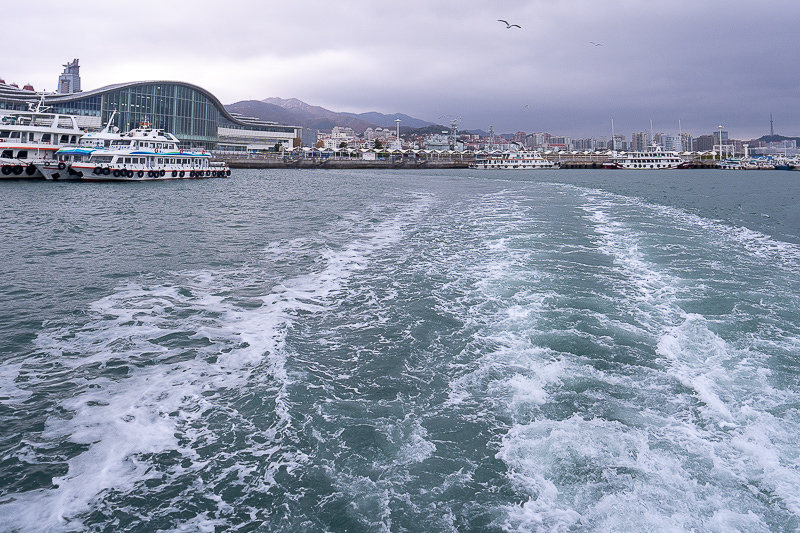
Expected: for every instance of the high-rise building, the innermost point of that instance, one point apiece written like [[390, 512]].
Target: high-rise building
[[639, 141], [70, 80]]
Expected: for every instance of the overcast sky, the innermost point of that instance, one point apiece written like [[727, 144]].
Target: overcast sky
[[693, 64]]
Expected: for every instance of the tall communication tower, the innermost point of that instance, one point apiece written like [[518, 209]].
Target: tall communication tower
[[771, 125]]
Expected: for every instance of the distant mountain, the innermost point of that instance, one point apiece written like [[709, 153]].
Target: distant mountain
[[295, 112], [388, 121], [778, 138]]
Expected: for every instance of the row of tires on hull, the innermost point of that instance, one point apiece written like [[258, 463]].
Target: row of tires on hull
[[121, 172], [16, 170]]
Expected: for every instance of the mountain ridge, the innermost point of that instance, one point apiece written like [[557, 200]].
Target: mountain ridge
[[295, 112]]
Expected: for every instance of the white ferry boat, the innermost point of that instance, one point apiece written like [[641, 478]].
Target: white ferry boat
[[60, 168], [512, 160], [146, 153], [652, 158], [28, 138]]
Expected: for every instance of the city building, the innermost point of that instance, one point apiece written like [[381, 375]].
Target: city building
[[639, 141], [705, 143], [70, 80]]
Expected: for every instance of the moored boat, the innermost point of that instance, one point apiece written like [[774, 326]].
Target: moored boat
[[146, 153], [512, 160], [651, 158], [60, 167], [30, 138]]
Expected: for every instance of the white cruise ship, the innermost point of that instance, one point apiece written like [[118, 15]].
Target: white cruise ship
[[512, 160], [146, 153], [651, 158]]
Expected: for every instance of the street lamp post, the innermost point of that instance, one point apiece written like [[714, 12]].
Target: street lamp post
[[720, 141]]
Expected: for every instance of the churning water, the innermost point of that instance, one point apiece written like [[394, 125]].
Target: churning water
[[402, 351]]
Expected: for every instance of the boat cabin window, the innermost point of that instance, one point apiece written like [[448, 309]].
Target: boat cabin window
[[30, 137], [46, 137], [22, 154], [4, 134], [64, 139], [102, 158], [7, 154], [15, 135], [73, 139]]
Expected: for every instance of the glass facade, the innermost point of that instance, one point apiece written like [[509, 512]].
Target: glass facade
[[89, 106], [179, 109], [185, 112]]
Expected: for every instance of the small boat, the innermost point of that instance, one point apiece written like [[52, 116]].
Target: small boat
[[146, 153], [512, 160], [731, 164], [651, 158], [29, 138]]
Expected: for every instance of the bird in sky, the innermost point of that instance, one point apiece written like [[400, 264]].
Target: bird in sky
[[509, 26], [594, 43]]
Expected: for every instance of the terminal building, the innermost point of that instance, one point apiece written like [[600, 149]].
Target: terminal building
[[194, 115]]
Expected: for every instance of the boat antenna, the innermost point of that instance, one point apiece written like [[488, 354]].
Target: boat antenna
[[39, 106], [110, 122]]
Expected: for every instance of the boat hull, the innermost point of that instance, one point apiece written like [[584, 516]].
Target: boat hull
[[88, 173]]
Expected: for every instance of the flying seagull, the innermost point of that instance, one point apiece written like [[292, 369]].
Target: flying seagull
[[509, 26], [594, 43]]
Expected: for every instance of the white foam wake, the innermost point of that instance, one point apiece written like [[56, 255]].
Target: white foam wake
[[155, 361]]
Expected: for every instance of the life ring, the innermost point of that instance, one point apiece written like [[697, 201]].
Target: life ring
[[191, 173], [61, 165], [116, 173], [30, 170], [6, 170], [181, 173], [174, 173], [163, 172], [17, 170], [130, 173], [149, 173], [141, 173]]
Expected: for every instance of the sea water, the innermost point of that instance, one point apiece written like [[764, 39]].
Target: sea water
[[402, 351]]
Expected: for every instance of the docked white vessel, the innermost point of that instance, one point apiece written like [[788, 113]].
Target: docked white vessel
[[30, 138], [651, 158], [60, 167], [512, 160], [146, 153]]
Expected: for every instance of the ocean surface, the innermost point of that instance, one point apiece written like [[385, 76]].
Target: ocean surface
[[404, 351]]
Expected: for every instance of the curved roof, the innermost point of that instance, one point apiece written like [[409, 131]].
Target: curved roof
[[64, 98]]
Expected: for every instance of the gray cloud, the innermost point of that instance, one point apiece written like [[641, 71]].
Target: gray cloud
[[702, 63]]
